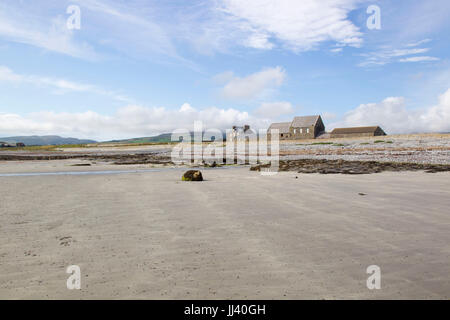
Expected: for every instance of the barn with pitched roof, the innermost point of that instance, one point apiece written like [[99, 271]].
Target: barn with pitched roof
[[306, 127], [357, 132], [283, 129]]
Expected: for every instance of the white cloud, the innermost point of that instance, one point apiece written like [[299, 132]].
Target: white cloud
[[131, 27], [20, 25], [297, 25], [127, 122], [61, 85], [253, 86], [336, 50], [418, 43], [259, 41], [393, 116], [385, 56], [272, 110], [419, 59]]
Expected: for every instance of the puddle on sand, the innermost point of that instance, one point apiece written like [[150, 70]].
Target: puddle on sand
[[86, 173], [74, 173]]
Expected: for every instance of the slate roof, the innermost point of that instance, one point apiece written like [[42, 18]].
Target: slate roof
[[303, 122], [355, 130], [283, 127]]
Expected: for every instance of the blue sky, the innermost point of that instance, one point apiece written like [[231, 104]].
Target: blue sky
[[139, 68]]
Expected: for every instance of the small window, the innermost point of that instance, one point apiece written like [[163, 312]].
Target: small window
[[295, 131], [307, 130], [301, 130]]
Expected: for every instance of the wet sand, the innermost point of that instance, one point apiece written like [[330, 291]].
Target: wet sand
[[237, 235]]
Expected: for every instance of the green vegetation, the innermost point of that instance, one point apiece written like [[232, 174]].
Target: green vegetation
[[379, 141], [339, 145], [48, 147], [30, 148], [162, 138], [75, 146], [318, 143], [314, 143]]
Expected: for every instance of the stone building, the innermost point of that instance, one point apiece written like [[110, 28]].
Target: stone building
[[4, 145], [239, 133], [357, 132], [307, 127], [284, 129]]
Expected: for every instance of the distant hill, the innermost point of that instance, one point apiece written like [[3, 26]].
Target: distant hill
[[45, 140], [162, 138], [165, 137]]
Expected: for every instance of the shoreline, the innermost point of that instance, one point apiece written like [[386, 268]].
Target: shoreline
[[151, 236]]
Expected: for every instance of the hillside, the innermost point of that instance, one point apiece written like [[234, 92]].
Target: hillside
[[165, 137], [45, 140], [162, 138]]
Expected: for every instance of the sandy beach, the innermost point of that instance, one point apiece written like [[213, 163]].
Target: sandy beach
[[237, 235]]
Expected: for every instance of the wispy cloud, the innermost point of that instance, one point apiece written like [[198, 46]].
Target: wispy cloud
[[405, 54], [419, 59], [18, 24], [60, 85], [418, 43], [133, 29], [124, 27], [336, 50]]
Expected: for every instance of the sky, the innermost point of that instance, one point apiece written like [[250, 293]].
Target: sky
[[112, 69]]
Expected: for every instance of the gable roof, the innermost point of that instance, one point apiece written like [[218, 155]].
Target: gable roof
[[356, 130], [306, 121], [283, 127]]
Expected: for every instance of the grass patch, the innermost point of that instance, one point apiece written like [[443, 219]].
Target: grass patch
[[72, 146], [339, 145], [364, 143], [46, 148], [122, 144], [314, 143], [318, 143], [35, 148], [379, 141]]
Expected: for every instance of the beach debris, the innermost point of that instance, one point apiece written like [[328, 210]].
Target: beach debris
[[29, 253], [362, 194], [65, 241], [354, 167], [192, 175], [210, 165]]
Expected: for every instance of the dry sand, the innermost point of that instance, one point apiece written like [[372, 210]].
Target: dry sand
[[237, 235]]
